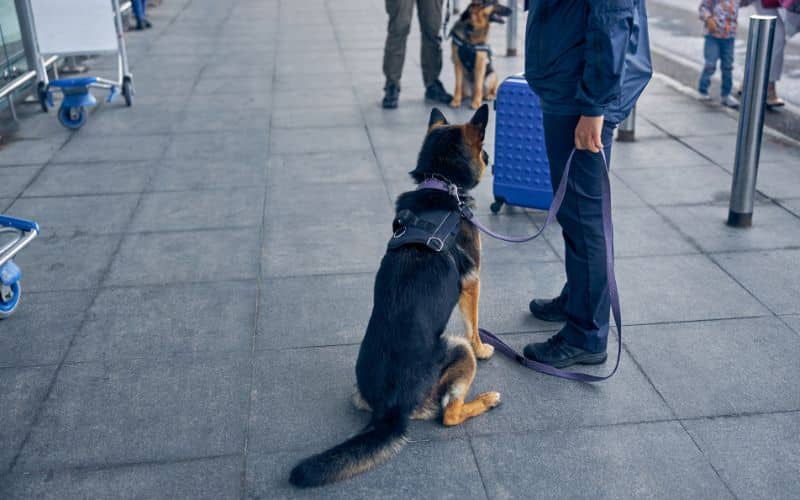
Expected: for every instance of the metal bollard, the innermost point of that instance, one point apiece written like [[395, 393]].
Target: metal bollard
[[627, 129], [751, 120], [456, 8], [511, 30]]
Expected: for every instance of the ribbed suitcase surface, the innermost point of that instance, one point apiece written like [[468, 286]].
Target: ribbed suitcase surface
[[521, 170]]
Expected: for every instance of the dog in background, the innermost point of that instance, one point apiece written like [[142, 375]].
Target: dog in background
[[472, 55], [406, 368]]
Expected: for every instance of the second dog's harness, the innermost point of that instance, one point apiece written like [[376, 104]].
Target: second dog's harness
[[468, 51]]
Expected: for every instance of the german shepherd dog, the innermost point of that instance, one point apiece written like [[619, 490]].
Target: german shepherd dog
[[406, 368], [472, 29]]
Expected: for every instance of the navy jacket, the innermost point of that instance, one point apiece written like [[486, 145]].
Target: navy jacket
[[587, 57]]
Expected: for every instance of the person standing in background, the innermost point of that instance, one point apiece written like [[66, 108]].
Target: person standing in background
[[770, 8], [719, 23], [138, 7], [429, 13]]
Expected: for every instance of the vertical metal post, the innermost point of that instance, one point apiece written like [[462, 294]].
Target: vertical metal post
[[627, 129], [28, 32], [751, 120], [456, 10], [511, 30]]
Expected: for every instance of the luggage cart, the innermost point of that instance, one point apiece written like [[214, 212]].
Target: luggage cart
[[15, 234], [64, 29]]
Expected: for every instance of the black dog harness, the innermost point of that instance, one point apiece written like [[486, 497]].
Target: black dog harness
[[434, 229], [468, 51]]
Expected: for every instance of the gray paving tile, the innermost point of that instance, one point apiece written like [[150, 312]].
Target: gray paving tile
[[39, 332], [328, 168], [113, 148], [153, 258], [699, 370], [212, 478], [188, 406], [219, 146], [238, 207], [701, 123], [210, 87], [76, 215], [793, 322], [436, 469], [73, 263], [645, 461], [21, 391], [298, 203], [91, 178], [314, 310], [496, 252], [679, 185], [5, 203], [323, 247], [397, 137], [13, 180], [792, 205], [143, 118], [30, 152], [757, 456], [197, 175], [158, 321], [646, 130], [329, 97], [697, 290], [339, 116], [772, 227], [771, 276], [779, 180], [654, 153], [318, 140], [221, 116], [722, 149], [532, 401]]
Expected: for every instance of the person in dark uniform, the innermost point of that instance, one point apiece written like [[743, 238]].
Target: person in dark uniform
[[400, 13], [588, 61]]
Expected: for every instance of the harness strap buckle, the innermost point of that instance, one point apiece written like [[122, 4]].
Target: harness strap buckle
[[435, 243]]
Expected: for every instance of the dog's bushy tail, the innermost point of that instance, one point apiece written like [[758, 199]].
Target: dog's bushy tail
[[380, 441]]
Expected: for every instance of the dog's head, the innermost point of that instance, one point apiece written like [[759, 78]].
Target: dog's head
[[454, 152], [483, 12]]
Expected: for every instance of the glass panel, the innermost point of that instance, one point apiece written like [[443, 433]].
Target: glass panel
[[12, 54]]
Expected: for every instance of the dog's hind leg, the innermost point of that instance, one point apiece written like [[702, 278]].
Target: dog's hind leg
[[455, 382], [459, 70], [481, 61], [468, 305]]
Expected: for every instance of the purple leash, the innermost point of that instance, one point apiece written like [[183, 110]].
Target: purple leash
[[613, 292]]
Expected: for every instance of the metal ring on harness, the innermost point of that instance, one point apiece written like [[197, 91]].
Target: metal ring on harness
[[439, 243]]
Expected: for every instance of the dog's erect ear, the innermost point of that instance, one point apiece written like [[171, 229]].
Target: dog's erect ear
[[501, 10], [480, 119], [437, 118]]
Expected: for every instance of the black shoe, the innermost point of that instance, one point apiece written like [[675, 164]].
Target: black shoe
[[548, 310], [391, 96], [436, 92], [142, 24], [557, 353]]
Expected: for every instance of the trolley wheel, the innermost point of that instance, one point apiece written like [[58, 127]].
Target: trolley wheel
[[497, 205], [72, 117], [41, 93], [9, 299], [127, 91]]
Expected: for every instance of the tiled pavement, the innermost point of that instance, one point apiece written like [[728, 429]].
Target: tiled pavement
[[194, 304]]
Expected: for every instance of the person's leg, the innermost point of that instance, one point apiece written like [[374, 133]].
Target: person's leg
[[394, 52], [429, 13], [710, 55], [587, 301], [138, 9], [726, 65]]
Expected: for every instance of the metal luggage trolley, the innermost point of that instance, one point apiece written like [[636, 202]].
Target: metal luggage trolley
[[66, 28], [15, 234]]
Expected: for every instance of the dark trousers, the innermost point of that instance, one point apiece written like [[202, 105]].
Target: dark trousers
[[400, 13], [585, 295]]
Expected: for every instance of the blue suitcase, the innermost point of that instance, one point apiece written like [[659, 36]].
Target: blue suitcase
[[521, 170]]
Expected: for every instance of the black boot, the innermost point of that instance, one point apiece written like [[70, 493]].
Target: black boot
[[557, 353], [548, 310], [436, 92], [391, 95]]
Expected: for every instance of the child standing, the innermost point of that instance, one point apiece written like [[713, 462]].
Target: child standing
[[719, 17]]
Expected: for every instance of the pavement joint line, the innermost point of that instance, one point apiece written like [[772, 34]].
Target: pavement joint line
[[147, 191], [478, 467], [124, 465], [749, 292]]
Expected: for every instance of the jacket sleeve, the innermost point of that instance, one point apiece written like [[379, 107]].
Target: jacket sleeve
[[706, 9], [608, 32]]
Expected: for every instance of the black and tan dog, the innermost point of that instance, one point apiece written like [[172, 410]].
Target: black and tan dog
[[471, 53], [406, 368]]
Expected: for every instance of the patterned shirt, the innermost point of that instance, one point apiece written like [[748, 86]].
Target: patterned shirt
[[724, 13]]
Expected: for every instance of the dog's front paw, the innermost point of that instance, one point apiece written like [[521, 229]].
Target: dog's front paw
[[455, 103], [483, 351], [475, 104], [490, 399]]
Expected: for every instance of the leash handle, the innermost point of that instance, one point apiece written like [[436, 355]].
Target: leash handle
[[613, 291]]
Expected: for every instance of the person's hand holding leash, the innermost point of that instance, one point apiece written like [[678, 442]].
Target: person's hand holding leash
[[587, 133]]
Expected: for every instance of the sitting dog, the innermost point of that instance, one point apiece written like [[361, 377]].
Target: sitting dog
[[406, 367], [472, 55]]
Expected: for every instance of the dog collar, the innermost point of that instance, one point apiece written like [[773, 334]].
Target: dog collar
[[440, 185]]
